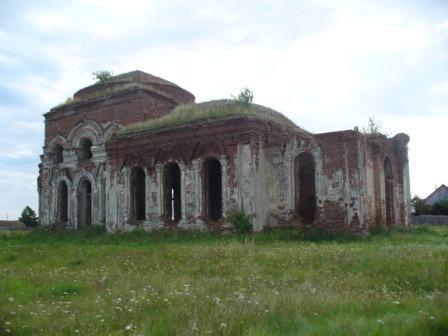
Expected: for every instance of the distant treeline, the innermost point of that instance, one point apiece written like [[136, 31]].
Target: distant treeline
[[437, 209]]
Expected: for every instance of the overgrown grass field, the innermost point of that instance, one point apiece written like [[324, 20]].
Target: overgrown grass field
[[278, 283]]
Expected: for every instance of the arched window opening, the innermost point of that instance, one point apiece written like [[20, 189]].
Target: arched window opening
[[172, 203], [305, 187], [84, 203], [213, 189], [85, 152], [138, 193], [62, 202], [389, 192], [58, 154]]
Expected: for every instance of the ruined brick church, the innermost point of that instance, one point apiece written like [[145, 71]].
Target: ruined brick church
[[136, 151]]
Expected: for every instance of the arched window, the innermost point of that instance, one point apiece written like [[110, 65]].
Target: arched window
[[138, 193], [172, 198], [85, 151], [62, 202], [58, 154], [389, 192], [84, 203], [212, 189], [305, 187]]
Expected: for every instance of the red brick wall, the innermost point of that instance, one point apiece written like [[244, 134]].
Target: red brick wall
[[340, 153], [128, 107]]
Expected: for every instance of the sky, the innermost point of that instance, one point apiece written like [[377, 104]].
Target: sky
[[327, 65]]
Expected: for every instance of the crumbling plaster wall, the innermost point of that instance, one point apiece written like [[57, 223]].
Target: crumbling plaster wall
[[96, 120], [274, 182], [340, 198], [49, 211], [237, 193], [73, 171], [377, 149], [258, 178]]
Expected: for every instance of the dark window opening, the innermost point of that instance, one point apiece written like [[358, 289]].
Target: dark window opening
[[213, 189], [58, 154], [389, 191], [305, 187], [85, 203], [85, 152], [103, 201], [62, 202], [138, 194], [172, 203]]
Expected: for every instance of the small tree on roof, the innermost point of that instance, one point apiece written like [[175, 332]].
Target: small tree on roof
[[374, 127], [102, 76], [245, 97]]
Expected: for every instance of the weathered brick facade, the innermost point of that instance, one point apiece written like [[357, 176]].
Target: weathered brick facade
[[193, 175]]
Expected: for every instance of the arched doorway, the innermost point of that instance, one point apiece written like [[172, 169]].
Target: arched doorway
[[172, 196], [389, 192], [84, 203], [62, 202], [212, 189], [305, 187], [138, 193]]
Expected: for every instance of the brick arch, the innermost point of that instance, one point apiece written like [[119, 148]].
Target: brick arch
[[85, 129], [57, 179], [83, 201], [57, 140], [85, 175], [110, 130]]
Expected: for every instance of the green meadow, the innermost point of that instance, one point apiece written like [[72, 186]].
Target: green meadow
[[275, 283]]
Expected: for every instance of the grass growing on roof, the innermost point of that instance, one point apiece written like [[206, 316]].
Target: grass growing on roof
[[173, 283], [202, 112], [104, 91]]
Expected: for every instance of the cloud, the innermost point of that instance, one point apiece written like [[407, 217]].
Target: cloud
[[327, 65], [19, 189]]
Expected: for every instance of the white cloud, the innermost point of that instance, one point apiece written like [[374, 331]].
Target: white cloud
[[438, 89], [18, 190], [327, 65]]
